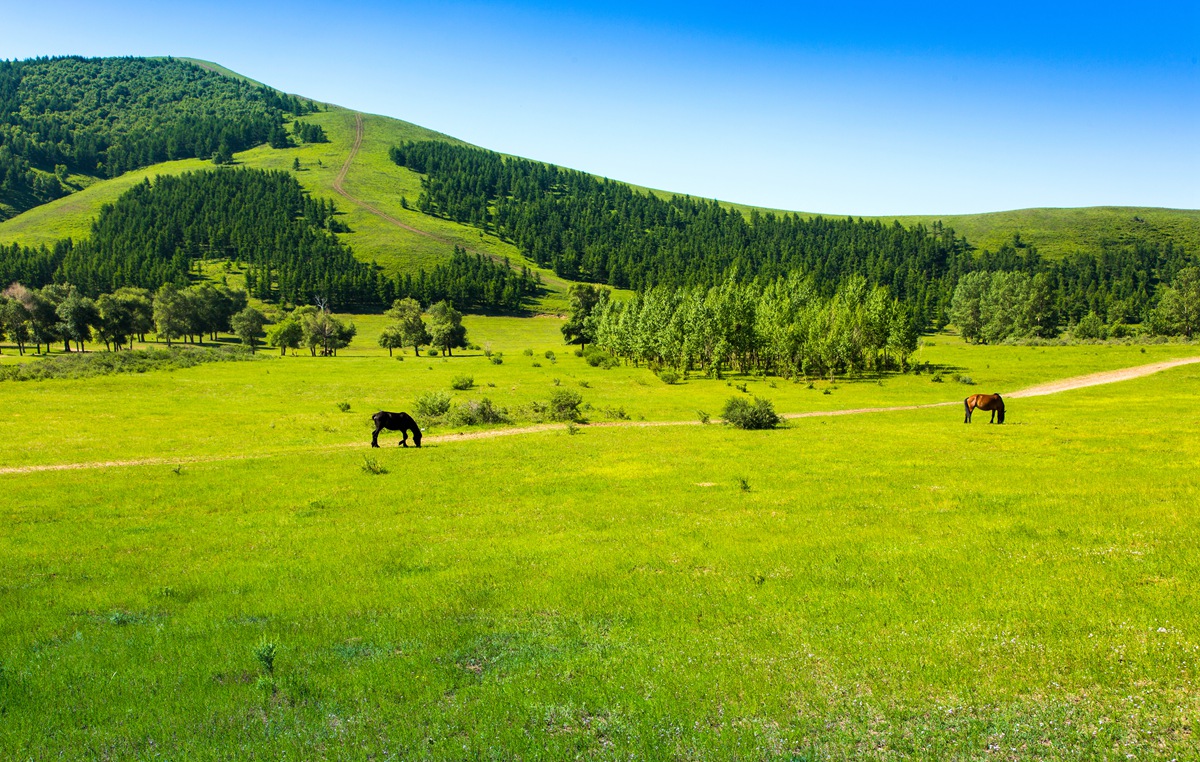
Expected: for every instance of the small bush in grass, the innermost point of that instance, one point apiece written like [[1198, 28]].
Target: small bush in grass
[[372, 466], [265, 653], [477, 412], [617, 413], [746, 414], [344, 407], [564, 405], [431, 352], [537, 365], [123, 618], [462, 383], [668, 376], [598, 358], [937, 378], [550, 355], [432, 404], [703, 416], [967, 380], [527, 352], [585, 384], [498, 358]]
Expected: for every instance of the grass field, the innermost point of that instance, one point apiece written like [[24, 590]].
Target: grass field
[[877, 586]]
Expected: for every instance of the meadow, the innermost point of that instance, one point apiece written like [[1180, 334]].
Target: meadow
[[880, 586]]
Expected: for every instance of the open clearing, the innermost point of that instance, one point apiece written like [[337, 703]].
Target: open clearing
[[1054, 387], [879, 586]]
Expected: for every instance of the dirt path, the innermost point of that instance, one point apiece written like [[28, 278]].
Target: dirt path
[[1053, 387], [341, 191]]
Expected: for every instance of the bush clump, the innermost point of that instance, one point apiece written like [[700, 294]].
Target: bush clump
[[598, 358], [564, 405], [668, 376], [747, 414], [477, 412], [432, 405], [462, 383]]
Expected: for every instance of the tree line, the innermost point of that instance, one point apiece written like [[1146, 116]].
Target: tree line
[[62, 313], [472, 281], [593, 229], [783, 326], [157, 232], [106, 116], [991, 307]]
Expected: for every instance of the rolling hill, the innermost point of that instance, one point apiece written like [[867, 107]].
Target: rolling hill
[[376, 199]]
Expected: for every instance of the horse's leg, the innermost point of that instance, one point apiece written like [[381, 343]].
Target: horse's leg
[[404, 437], [375, 436], [967, 405], [993, 417]]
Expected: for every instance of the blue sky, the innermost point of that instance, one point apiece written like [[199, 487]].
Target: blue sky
[[843, 108]]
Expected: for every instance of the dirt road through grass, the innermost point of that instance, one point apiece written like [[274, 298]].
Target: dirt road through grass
[[1054, 387]]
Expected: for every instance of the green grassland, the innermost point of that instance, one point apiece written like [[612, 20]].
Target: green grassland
[[1057, 232], [874, 586]]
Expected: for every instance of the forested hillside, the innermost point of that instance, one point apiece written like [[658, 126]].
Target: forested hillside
[[156, 232], [100, 117], [604, 231]]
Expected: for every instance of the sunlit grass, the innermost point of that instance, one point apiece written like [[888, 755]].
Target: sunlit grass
[[880, 586]]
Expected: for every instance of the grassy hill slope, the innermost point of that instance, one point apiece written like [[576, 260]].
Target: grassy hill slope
[[401, 240]]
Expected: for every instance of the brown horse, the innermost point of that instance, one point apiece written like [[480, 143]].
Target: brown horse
[[991, 402]]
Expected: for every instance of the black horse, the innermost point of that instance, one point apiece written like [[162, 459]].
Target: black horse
[[402, 422]]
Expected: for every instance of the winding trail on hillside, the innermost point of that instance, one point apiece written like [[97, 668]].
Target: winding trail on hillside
[[339, 188], [1052, 387]]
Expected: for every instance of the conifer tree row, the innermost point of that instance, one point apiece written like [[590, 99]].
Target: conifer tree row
[[593, 229], [155, 232], [597, 230]]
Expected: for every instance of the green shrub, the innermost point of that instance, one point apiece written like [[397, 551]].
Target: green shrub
[[497, 359], [344, 407], [598, 358], [527, 352], [747, 414], [564, 405], [550, 355], [372, 466], [1090, 326], [432, 404], [668, 376], [265, 653], [462, 383], [477, 412]]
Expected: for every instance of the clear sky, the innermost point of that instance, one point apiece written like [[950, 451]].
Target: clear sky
[[837, 107]]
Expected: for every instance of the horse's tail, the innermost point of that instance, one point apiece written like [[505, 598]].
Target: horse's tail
[[967, 408], [1000, 412]]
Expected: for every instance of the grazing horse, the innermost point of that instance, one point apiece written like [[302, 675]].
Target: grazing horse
[[991, 402], [402, 422]]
